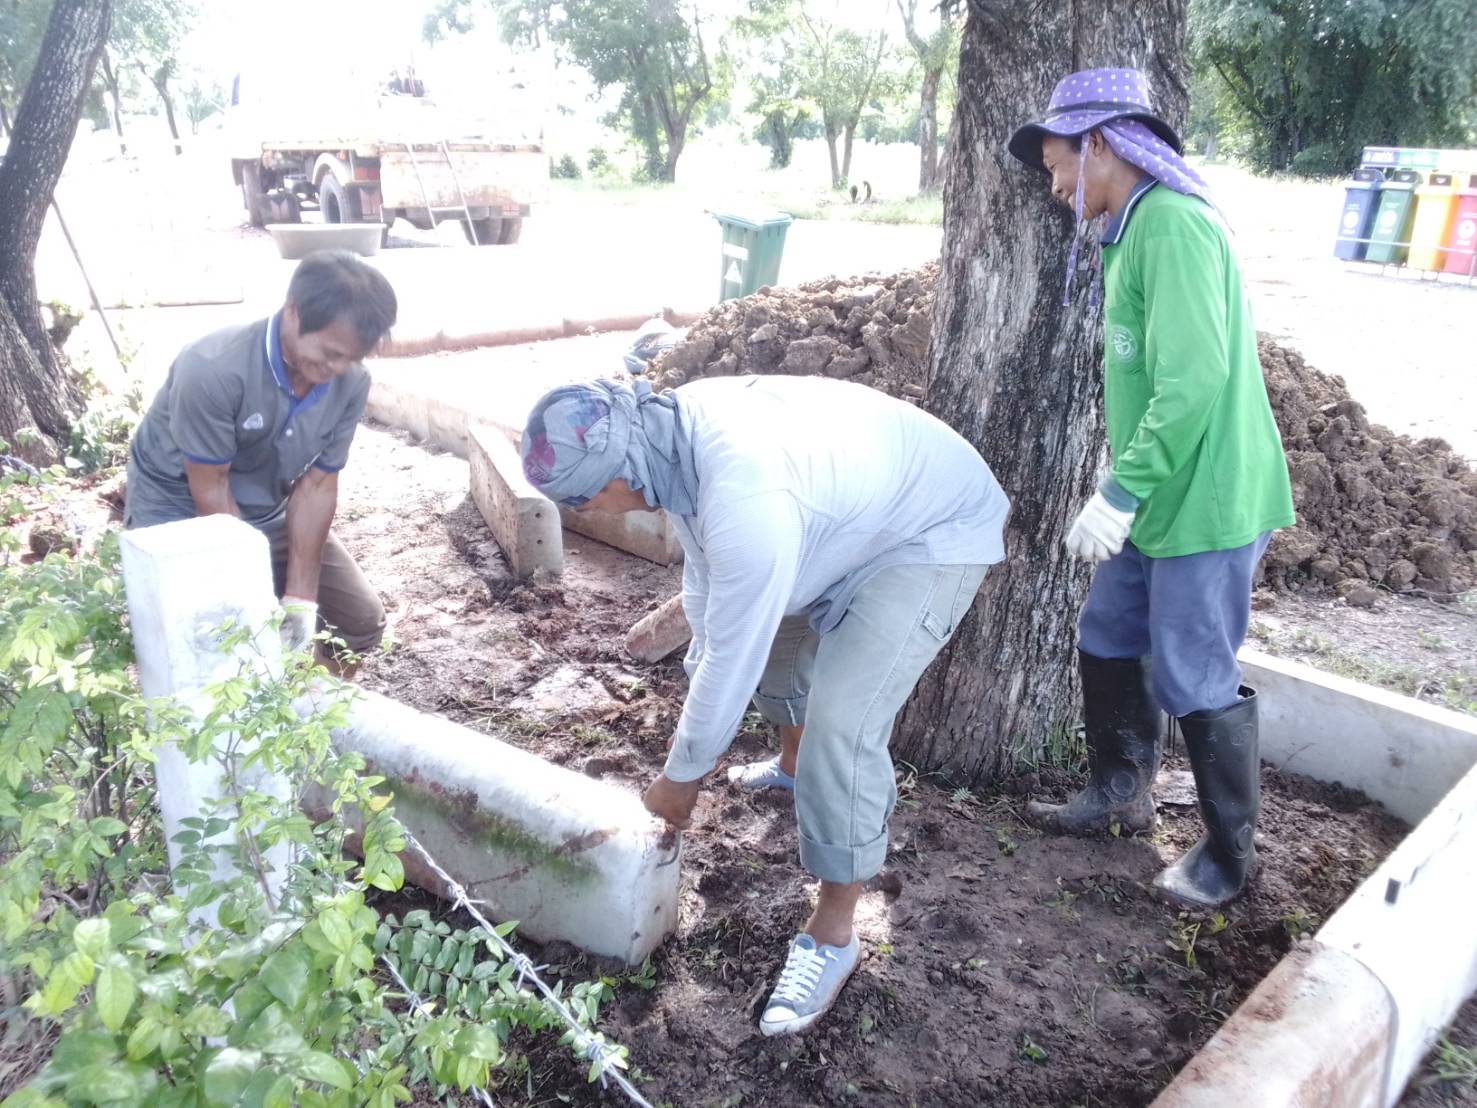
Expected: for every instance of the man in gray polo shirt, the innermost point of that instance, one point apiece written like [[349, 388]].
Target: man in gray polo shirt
[[256, 422]]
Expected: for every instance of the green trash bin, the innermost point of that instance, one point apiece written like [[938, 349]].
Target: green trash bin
[[751, 251], [1389, 238]]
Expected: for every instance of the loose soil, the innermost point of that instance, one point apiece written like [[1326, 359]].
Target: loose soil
[[1376, 510], [1002, 967]]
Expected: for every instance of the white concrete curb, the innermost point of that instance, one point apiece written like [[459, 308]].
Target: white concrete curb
[[184, 582], [570, 857], [1346, 1021], [398, 401], [524, 522], [1401, 752]]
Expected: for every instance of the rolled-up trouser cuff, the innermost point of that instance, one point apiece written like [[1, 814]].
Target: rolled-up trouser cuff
[[786, 712], [843, 864]]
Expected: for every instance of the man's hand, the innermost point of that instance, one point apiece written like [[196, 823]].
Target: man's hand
[[1100, 530], [672, 800], [299, 623]]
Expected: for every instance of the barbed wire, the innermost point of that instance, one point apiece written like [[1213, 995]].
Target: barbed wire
[[420, 1006], [604, 1056]]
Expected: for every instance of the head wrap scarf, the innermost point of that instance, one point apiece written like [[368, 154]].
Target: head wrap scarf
[[1135, 144], [581, 437]]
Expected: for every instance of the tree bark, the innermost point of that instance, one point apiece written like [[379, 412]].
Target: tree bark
[[846, 143], [1019, 375], [836, 178], [928, 131], [35, 389], [160, 80], [110, 82]]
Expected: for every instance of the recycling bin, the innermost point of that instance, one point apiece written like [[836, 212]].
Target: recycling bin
[[1389, 241], [1435, 205], [1361, 198], [750, 254], [1461, 242]]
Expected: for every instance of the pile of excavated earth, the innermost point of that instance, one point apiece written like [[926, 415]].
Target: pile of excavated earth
[[1375, 509]]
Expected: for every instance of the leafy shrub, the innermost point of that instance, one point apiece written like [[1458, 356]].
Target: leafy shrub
[[565, 169], [282, 1002]]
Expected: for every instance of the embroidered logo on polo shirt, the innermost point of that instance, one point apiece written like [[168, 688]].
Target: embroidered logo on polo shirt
[[254, 422], [1125, 346]]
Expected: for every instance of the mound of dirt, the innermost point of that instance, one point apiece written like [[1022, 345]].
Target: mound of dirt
[[1375, 509], [872, 329]]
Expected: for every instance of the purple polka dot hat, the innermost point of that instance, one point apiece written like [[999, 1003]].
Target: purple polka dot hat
[[1085, 100]]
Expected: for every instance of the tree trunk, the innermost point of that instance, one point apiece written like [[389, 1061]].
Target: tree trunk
[[160, 80], [846, 152], [781, 144], [35, 389], [836, 178], [110, 81], [674, 151], [928, 131], [1020, 376]]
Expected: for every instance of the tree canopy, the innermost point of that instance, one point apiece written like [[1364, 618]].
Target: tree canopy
[[1305, 84], [656, 51]]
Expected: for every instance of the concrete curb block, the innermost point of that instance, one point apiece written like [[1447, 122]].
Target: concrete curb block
[[445, 423], [173, 576], [1346, 1020], [413, 346], [1396, 750], [1285, 1046], [571, 858], [1410, 923], [659, 633], [524, 522], [648, 535]]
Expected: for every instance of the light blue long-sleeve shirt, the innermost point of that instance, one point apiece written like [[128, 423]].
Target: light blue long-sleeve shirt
[[806, 487]]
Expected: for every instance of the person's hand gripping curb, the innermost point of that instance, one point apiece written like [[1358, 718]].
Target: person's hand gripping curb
[[672, 800], [299, 623]]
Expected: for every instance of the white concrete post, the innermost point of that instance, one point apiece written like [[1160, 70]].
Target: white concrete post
[[184, 581]]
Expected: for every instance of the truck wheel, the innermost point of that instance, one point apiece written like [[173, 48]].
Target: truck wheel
[[251, 193], [510, 231], [333, 201], [483, 232]]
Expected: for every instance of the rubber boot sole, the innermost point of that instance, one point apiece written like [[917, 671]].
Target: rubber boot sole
[[1062, 820]]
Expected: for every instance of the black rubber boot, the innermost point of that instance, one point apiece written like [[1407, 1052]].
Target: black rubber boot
[[1123, 723], [1223, 756]]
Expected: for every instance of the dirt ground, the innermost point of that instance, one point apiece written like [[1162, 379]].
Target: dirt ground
[[1002, 967]]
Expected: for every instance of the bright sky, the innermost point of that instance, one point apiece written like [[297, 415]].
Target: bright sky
[[293, 36]]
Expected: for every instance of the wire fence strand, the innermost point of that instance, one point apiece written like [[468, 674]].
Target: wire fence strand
[[604, 1056]]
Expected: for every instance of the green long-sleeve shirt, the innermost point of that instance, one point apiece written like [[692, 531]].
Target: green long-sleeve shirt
[[1189, 425]]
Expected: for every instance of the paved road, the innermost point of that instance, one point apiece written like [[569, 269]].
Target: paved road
[[172, 231]]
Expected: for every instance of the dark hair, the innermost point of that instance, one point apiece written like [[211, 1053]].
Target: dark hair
[[334, 284]]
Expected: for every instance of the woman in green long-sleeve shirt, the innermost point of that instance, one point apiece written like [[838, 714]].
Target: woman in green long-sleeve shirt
[[1197, 484]]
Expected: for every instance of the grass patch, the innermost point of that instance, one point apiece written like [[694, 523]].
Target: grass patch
[[1457, 691], [927, 209]]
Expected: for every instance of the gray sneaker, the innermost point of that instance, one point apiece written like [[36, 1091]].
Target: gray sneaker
[[808, 985], [760, 775]]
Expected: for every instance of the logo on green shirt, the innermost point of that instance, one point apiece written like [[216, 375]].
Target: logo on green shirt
[[1125, 346]]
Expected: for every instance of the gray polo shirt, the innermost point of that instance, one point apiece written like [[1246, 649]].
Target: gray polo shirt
[[227, 400]]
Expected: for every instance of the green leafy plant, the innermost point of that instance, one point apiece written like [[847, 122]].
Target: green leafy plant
[[280, 999], [1032, 1051]]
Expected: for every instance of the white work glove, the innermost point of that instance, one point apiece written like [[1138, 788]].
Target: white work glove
[[299, 623], [1100, 530]]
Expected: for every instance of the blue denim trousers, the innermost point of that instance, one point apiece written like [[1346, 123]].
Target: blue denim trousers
[[1189, 614]]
